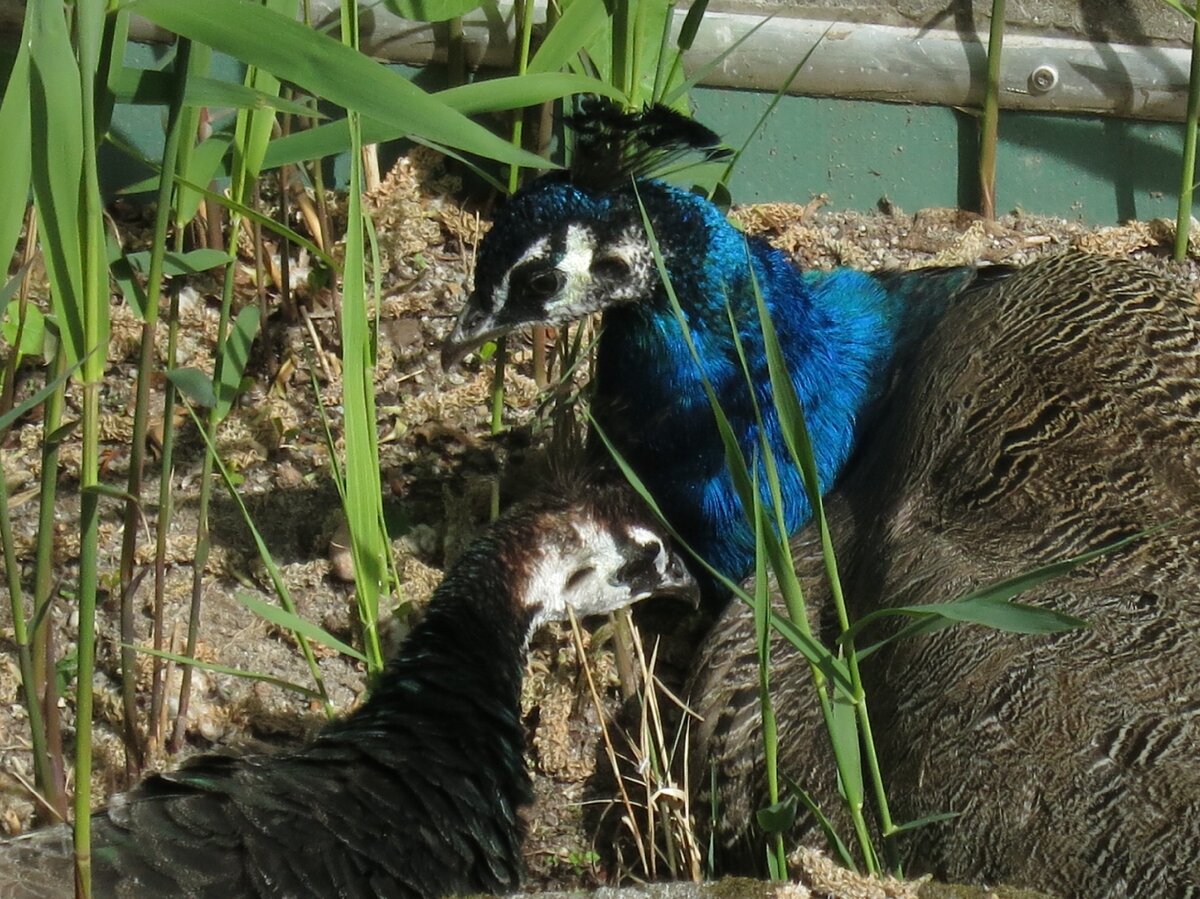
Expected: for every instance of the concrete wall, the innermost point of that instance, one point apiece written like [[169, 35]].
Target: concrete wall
[[1114, 21]]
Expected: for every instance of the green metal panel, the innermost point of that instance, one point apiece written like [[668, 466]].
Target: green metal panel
[[858, 152]]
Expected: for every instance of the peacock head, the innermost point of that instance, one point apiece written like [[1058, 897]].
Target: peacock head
[[595, 552], [575, 243], [555, 254]]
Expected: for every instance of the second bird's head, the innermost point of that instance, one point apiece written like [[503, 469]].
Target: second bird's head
[[581, 544], [598, 552]]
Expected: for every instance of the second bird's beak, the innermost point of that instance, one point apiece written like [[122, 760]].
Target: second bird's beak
[[666, 575], [681, 584]]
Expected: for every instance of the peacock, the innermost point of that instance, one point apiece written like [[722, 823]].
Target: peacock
[[1030, 414], [417, 792], [1057, 412], [575, 242]]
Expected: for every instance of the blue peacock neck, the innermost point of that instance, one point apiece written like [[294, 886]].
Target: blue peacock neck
[[837, 331]]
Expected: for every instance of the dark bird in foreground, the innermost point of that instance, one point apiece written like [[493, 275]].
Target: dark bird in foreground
[[416, 793], [1055, 413], [575, 243]]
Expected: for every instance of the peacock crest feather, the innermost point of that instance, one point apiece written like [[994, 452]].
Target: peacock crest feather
[[614, 145]]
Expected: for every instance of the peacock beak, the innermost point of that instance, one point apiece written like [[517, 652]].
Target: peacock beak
[[660, 573], [680, 583], [473, 328]]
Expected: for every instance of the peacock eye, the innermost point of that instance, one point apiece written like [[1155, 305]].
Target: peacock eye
[[540, 284], [610, 268]]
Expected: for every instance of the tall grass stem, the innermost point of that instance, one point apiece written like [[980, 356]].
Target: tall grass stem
[[1187, 174], [989, 128], [146, 370], [53, 767], [364, 492], [90, 31], [21, 636]]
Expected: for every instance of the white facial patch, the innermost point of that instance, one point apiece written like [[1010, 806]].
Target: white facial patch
[[634, 250], [583, 576], [576, 267], [662, 561], [539, 249]]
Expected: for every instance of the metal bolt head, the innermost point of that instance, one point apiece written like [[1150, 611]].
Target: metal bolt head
[[1043, 79]]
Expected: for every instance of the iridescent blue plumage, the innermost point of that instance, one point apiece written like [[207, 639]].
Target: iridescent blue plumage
[[558, 251], [840, 333]]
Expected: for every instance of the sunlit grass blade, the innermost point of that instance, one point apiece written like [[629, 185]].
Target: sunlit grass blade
[[187, 202], [364, 491], [834, 839], [1191, 124], [196, 385], [15, 413], [850, 763], [57, 172], [228, 379], [778, 547], [252, 129], [999, 614], [846, 741], [816, 653], [150, 87], [519, 91], [196, 169], [225, 669], [990, 120], [10, 289], [992, 605], [909, 826], [24, 330], [297, 624], [776, 851], [327, 69], [264, 555], [581, 23], [334, 138], [22, 631], [627, 53], [787, 406], [739, 470], [190, 263], [16, 160]]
